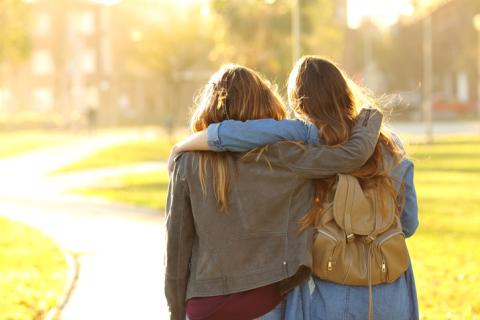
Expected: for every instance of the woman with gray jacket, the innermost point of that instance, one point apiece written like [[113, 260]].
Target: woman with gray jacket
[[233, 244]]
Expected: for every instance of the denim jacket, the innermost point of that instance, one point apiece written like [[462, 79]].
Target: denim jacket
[[317, 299]]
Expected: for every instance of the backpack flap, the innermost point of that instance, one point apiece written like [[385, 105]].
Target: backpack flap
[[358, 212]]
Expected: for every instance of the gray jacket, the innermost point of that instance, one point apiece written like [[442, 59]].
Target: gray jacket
[[256, 242]]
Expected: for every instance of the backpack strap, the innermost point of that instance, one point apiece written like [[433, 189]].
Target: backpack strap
[[349, 203], [377, 220]]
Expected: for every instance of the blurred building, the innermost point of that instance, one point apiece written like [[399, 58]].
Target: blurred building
[[70, 68], [454, 55], [341, 12], [391, 60], [81, 63]]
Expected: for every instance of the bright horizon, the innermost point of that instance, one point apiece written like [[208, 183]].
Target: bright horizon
[[382, 12]]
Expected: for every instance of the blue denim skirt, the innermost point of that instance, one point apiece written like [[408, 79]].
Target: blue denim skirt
[[315, 299]]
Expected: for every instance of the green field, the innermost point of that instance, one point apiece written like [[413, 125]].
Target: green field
[[127, 153], [14, 143], [147, 189], [32, 272], [446, 248]]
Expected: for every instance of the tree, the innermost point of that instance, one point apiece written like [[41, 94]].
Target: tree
[[15, 45], [172, 41], [258, 33], [166, 43]]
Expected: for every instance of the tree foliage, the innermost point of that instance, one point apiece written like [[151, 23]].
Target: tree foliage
[[15, 44], [162, 38], [258, 33]]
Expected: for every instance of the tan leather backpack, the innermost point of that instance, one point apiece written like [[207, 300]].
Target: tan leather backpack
[[358, 240]]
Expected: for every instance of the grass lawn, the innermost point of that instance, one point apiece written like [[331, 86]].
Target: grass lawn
[[32, 272], [124, 154], [147, 189], [446, 248], [13, 143]]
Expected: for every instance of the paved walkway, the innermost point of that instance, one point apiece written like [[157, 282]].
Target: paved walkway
[[120, 247]]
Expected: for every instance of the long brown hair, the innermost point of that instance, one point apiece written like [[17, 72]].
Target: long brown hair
[[237, 93], [321, 93]]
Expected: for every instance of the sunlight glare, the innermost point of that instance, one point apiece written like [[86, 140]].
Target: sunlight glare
[[107, 2], [185, 3], [382, 12], [205, 10]]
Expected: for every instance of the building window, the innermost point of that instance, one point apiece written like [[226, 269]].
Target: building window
[[42, 24], [4, 98], [87, 23], [42, 62], [42, 99], [92, 97], [462, 87], [89, 61]]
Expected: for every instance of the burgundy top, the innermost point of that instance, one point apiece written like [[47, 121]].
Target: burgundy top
[[245, 305]]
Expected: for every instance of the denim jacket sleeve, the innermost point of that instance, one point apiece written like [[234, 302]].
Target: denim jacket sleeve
[[319, 161], [408, 197], [180, 236], [403, 174], [232, 135]]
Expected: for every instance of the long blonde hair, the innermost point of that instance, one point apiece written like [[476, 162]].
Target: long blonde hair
[[233, 93], [321, 93]]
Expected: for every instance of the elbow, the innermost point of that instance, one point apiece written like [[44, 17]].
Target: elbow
[[410, 230], [366, 152], [357, 157], [354, 162]]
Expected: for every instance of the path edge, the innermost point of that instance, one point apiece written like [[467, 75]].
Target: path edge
[[73, 273]]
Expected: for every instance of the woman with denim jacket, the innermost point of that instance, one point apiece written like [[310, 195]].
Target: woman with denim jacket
[[233, 247], [325, 101]]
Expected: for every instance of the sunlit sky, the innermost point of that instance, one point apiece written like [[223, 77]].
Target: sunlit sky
[[383, 12]]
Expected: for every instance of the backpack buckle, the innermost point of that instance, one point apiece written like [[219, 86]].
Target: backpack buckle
[[350, 237], [369, 239]]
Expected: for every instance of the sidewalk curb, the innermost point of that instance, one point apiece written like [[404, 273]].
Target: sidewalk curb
[[73, 275]]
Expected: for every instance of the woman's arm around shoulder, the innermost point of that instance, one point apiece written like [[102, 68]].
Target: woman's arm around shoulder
[[233, 135], [238, 136], [319, 161]]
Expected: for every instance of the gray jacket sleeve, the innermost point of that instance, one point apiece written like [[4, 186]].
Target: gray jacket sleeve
[[180, 235], [313, 162]]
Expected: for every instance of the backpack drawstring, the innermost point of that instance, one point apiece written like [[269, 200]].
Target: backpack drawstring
[[370, 240], [369, 272]]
